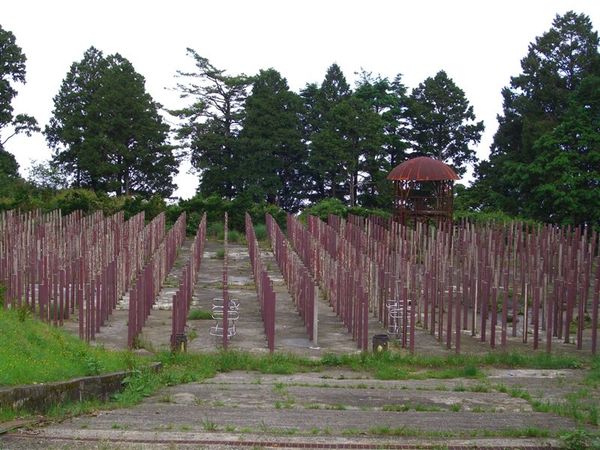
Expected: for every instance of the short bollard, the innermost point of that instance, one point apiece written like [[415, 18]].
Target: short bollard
[[380, 343], [180, 344]]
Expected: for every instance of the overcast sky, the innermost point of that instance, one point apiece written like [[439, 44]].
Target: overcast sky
[[478, 43]]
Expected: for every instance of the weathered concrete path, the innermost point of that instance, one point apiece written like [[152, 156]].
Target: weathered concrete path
[[331, 409]]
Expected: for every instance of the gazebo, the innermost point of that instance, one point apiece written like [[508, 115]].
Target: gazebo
[[423, 190]]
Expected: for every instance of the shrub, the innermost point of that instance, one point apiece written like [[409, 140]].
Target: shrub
[[336, 207]]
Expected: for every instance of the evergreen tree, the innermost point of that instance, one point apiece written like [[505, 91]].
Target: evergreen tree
[[327, 151], [443, 123], [542, 108], [106, 130], [388, 134], [211, 125], [565, 174], [12, 71], [271, 141]]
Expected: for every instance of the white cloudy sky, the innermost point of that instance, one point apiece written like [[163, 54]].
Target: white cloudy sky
[[478, 43]]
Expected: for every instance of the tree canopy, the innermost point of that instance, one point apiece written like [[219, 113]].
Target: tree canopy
[[106, 130], [211, 124], [12, 71], [442, 123], [542, 158]]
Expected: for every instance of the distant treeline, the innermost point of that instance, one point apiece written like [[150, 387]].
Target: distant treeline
[[251, 139]]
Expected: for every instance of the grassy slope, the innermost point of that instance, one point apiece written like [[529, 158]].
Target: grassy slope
[[34, 352]]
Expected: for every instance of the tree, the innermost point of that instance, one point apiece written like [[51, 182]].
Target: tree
[[388, 135], [443, 123], [539, 111], [271, 142], [326, 150], [565, 173], [106, 130], [12, 71], [211, 125]]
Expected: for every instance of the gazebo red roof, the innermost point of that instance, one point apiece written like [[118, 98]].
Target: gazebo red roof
[[422, 168]]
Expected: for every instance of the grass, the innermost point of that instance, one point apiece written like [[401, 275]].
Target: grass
[[399, 366], [578, 405], [34, 352], [199, 314]]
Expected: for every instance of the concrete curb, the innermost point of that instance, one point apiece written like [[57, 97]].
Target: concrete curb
[[40, 397]]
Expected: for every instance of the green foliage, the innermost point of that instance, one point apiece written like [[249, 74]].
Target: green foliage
[[35, 352], [70, 200], [545, 155], [271, 148], [336, 207], [216, 207], [443, 123], [593, 376], [260, 232], [199, 314], [106, 131], [12, 70], [580, 439], [211, 125]]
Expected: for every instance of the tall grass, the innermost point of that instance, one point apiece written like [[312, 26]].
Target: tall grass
[[35, 352]]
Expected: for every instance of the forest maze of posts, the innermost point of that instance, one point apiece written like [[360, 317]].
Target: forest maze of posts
[[501, 284]]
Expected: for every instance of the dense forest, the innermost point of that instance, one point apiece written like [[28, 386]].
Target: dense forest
[[257, 145]]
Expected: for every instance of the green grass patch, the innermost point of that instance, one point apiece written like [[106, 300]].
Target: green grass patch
[[34, 352], [199, 314], [399, 366], [593, 376]]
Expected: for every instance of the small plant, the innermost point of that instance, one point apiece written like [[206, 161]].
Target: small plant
[[235, 236], [191, 335], [338, 407], [480, 388], [575, 440], [23, 312], [209, 425], [456, 407], [199, 314], [396, 408], [92, 365], [220, 253]]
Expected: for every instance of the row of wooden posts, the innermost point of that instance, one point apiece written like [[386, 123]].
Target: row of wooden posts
[[302, 288], [182, 299], [331, 261], [264, 284], [150, 279]]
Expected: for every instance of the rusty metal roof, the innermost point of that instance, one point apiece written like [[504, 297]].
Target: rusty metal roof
[[422, 168]]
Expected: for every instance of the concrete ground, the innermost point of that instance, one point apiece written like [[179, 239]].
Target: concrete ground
[[329, 409]]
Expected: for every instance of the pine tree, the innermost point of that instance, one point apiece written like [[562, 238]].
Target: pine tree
[[211, 125], [12, 71], [271, 141], [539, 110], [106, 130], [443, 122]]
